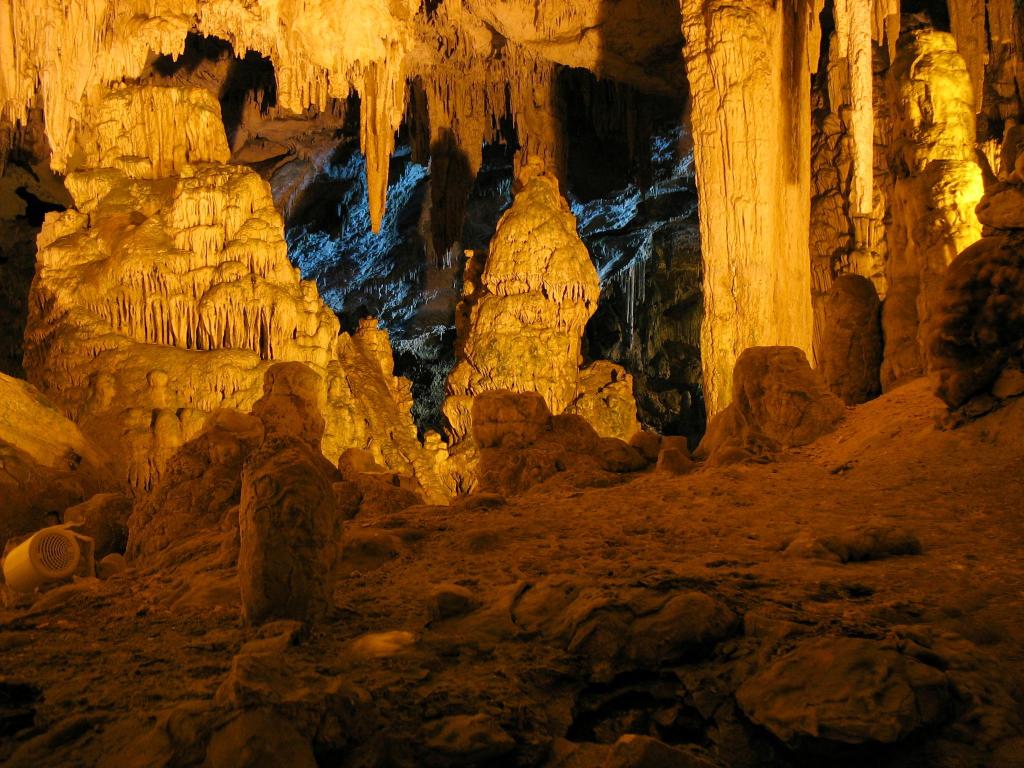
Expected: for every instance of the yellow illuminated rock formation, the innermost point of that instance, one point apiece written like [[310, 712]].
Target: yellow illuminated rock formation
[[748, 66], [168, 292], [938, 187], [69, 52], [525, 312]]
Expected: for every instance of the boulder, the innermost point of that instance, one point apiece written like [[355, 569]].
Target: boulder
[[860, 543], [1002, 207], [522, 445], [505, 419], [688, 626], [648, 443], [778, 403], [675, 462], [46, 463], [851, 348], [290, 533], [290, 406], [978, 328], [468, 739], [449, 601], [111, 565], [200, 485], [104, 519], [846, 690], [605, 399]]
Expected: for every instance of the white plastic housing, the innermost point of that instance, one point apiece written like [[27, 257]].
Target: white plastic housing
[[51, 554]]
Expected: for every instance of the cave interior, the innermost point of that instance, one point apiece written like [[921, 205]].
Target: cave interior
[[513, 383]]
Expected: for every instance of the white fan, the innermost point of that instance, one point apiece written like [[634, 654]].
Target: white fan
[[52, 554]]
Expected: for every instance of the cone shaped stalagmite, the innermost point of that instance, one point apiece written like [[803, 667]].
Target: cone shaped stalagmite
[[525, 310]]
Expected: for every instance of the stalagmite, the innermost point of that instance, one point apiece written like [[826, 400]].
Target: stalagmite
[[934, 200], [749, 67], [526, 307]]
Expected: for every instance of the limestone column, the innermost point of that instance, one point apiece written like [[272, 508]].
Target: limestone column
[[749, 68]]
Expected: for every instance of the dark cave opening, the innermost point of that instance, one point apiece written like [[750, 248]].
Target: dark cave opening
[[934, 13], [629, 181]]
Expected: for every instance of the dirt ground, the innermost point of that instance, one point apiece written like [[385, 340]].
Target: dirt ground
[[539, 630]]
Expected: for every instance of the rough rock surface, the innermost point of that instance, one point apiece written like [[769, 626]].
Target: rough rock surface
[[851, 348], [979, 320], [567, 580], [778, 403], [290, 533], [521, 444], [605, 400], [524, 319], [289, 526], [46, 463], [104, 519], [847, 690]]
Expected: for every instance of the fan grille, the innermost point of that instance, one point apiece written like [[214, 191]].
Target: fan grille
[[57, 552]]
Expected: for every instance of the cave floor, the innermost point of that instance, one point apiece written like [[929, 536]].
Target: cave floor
[[126, 671]]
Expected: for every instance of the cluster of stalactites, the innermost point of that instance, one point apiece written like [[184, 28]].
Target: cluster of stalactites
[[459, 102], [66, 53]]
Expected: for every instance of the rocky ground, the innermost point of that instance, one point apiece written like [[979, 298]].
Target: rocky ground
[[854, 602]]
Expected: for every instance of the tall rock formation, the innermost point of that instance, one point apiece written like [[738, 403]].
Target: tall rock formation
[[525, 311], [749, 66], [938, 187], [167, 293]]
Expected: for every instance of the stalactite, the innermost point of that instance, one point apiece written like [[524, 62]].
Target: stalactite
[[968, 20], [853, 44], [67, 52], [381, 109]]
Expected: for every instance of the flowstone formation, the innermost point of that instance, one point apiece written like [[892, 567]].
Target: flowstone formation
[[522, 319], [167, 293]]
